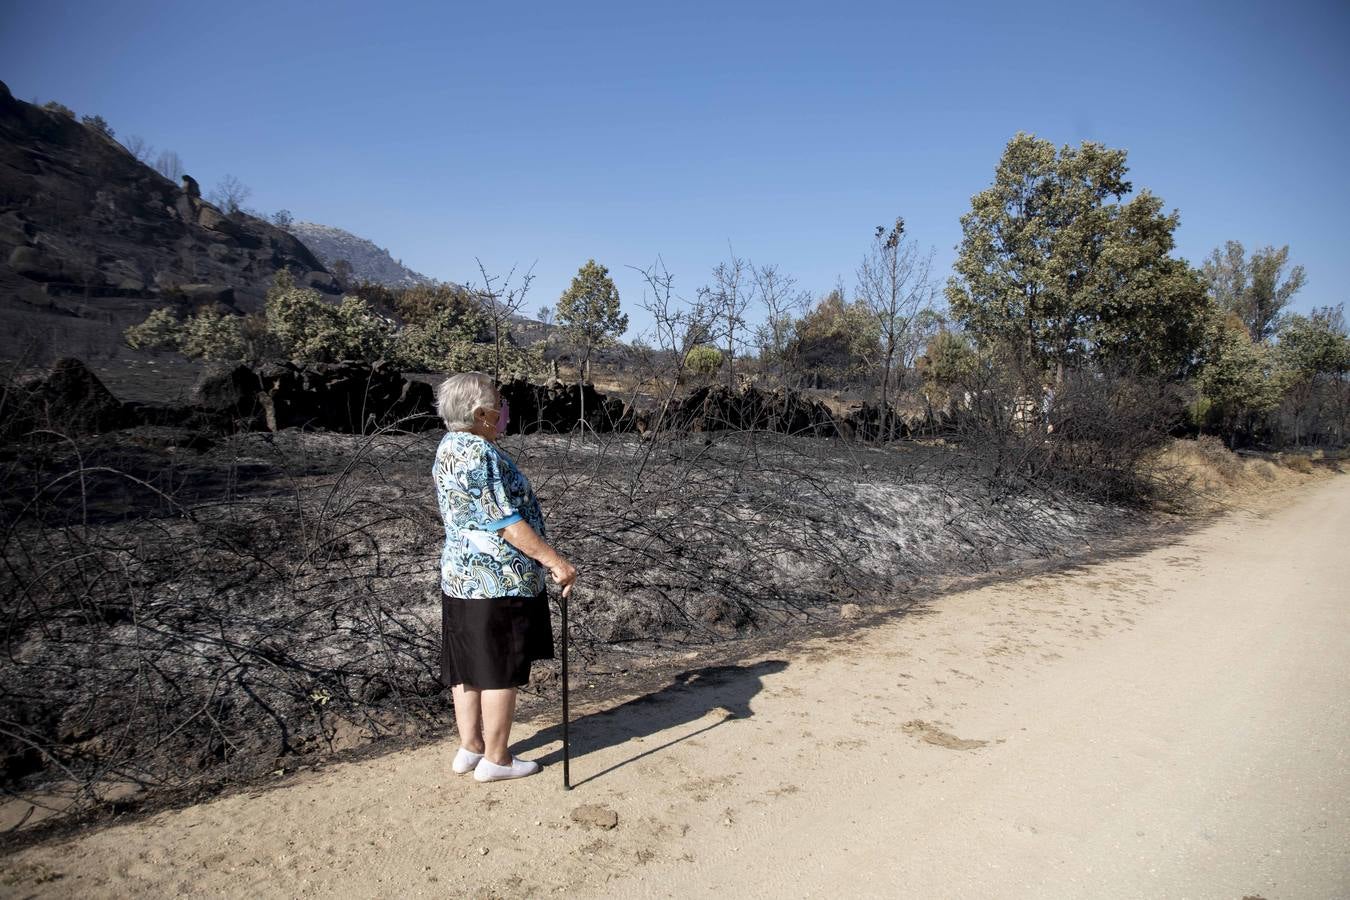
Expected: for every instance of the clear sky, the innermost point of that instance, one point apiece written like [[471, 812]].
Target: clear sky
[[556, 132]]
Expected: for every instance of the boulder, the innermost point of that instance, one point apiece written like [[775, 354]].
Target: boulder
[[213, 219], [347, 397], [557, 407], [32, 262], [717, 408], [15, 229], [322, 281], [199, 294], [67, 399], [228, 390]]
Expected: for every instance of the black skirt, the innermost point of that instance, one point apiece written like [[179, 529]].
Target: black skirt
[[490, 642]]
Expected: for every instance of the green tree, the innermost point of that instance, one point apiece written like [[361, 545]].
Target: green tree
[[1054, 269], [1238, 379], [1313, 352], [588, 311], [835, 340], [948, 361], [1255, 289]]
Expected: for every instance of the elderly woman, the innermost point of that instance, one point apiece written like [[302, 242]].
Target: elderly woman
[[494, 611]]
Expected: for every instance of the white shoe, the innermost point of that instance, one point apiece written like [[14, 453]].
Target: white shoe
[[490, 771], [465, 760]]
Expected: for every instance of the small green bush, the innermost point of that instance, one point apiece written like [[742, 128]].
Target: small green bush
[[161, 330], [97, 123], [210, 334], [309, 329], [703, 361]]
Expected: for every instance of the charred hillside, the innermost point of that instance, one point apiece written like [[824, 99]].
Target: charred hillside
[[91, 238]]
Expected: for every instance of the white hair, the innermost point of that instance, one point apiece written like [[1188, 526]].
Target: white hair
[[460, 396]]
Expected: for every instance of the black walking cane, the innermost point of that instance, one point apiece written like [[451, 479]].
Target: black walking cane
[[567, 773]]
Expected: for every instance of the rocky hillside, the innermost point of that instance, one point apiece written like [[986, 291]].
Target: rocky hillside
[[368, 262], [91, 239]]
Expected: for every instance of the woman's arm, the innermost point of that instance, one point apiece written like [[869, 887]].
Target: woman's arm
[[520, 535]]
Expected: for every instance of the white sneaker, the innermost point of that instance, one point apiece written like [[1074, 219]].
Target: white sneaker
[[465, 760], [490, 771]]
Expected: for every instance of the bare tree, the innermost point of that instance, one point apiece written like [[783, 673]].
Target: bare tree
[[169, 165], [500, 300], [783, 304], [727, 298], [894, 284], [138, 147], [677, 327], [230, 194]]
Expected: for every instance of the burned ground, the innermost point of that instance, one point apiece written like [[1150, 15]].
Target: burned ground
[[184, 613]]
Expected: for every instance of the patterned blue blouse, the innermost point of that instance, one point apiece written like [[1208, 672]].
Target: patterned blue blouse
[[480, 492]]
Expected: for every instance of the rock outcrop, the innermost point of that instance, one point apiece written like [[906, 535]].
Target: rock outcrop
[[557, 407], [348, 397], [67, 399], [86, 227]]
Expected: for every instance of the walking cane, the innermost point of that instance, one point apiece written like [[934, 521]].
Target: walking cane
[[567, 774]]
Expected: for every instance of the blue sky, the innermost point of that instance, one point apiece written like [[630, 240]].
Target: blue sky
[[553, 133]]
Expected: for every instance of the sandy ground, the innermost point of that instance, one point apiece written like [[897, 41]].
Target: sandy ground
[[1173, 724]]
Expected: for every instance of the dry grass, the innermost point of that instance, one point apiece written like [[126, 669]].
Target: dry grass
[[1203, 472]]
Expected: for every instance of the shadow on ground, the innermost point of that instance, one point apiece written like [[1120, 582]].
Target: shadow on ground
[[689, 698]]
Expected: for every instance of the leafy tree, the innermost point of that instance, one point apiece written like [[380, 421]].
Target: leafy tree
[[1238, 379], [1054, 272], [283, 219], [1255, 289], [588, 311], [1313, 351], [98, 124], [948, 360], [836, 340], [58, 107]]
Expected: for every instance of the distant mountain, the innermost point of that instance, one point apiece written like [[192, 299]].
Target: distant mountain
[[368, 262]]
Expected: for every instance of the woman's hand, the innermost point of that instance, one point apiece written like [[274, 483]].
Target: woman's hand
[[564, 573]]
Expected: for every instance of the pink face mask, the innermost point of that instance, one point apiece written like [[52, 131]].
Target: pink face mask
[[503, 416]]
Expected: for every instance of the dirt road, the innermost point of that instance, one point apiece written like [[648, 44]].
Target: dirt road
[[1174, 724]]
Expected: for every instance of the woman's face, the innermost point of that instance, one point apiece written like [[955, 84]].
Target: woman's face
[[493, 419]]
